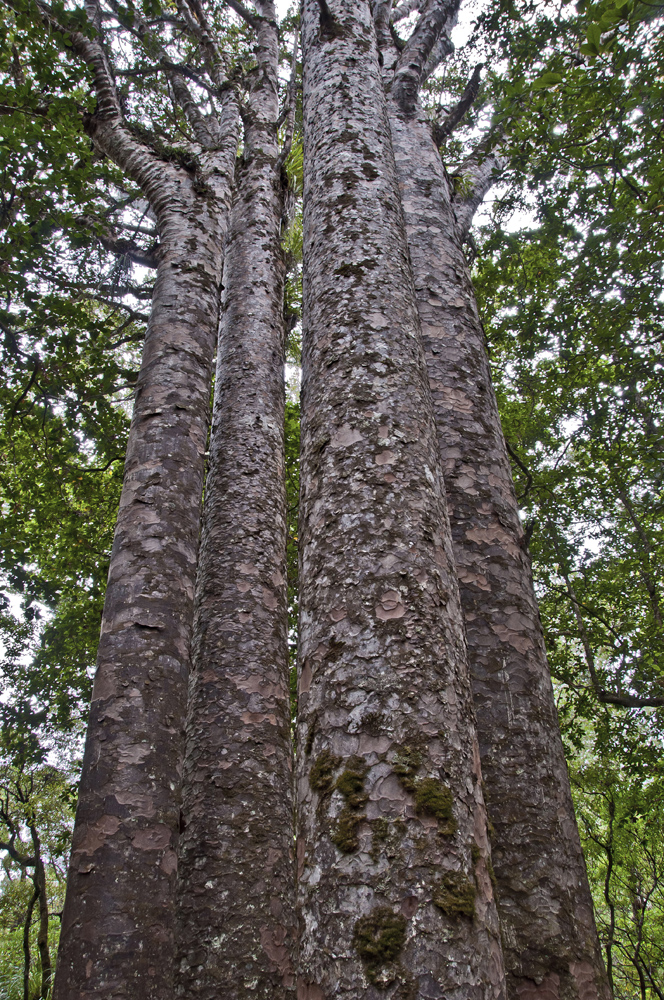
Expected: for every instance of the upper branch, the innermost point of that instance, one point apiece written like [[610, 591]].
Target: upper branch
[[106, 126], [90, 51], [474, 178], [443, 48], [606, 697], [445, 128], [381, 16], [290, 107], [194, 16], [408, 74], [200, 126], [405, 9], [253, 20]]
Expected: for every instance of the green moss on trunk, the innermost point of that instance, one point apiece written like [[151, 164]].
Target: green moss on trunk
[[379, 939], [455, 895]]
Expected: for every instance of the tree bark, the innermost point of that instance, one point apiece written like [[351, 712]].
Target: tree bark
[[39, 879], [236, 882], [549, 937], [117, 929], [27, 923], [392, 844]]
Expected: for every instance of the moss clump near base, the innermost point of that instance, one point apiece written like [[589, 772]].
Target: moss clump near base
[[455, 895], [475, 853], [379, 939], [432, 798], [321, 775], [345, 835]]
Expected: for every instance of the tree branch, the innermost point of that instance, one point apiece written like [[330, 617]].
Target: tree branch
[[408, 74], [474, 178], [604, 696], [443, 48], [513, 455], [183, 96], [442, 130], [405, 10], [253, 20], [290, 107]]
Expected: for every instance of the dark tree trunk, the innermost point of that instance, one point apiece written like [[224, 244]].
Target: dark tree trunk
[[396, 897], [39, 879], [117, 929], [549, 937], [236, 886], [27, 923]]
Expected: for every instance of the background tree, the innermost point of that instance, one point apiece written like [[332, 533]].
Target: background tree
[[36, 817]]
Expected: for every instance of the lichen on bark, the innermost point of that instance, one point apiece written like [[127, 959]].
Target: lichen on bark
[[236, 926], [542, 887], [381, 649]]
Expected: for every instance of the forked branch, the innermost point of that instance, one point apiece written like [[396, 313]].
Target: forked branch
[[410, 68]]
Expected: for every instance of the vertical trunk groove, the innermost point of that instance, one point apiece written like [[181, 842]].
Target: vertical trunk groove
[[395, 891], [236, 881], [117, 928], [549, 936]]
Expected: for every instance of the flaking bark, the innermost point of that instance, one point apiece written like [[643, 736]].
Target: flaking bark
[[236, 882], [549, 937], [117, 930], [392, 845]]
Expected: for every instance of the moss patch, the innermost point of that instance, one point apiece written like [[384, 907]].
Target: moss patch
[[406, 766], [351, 785], [344, 836], [455, 895], [379, 939], [351, 782], [432, 798], [321, 775]]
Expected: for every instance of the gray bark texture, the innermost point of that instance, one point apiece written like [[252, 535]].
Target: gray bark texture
[[236, 877], [117, 931], [549, 937], [396, 899]]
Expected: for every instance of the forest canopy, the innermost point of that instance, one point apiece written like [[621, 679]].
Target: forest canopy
[[567, 255]]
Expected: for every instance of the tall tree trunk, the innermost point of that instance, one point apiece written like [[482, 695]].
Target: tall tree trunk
[[549, 937], [396, 898], [117, 928], [236, 882]]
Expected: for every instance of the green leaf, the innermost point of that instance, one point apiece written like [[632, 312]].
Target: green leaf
[[547, 80]]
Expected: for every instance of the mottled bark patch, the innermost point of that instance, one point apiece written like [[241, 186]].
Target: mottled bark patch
[[379, 939], [380, 829]]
